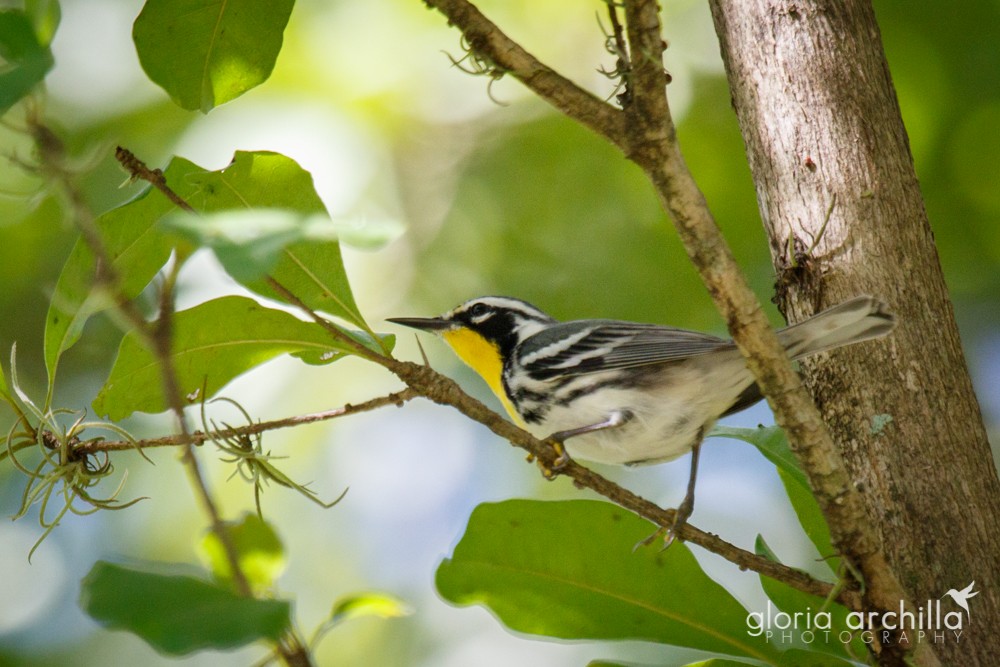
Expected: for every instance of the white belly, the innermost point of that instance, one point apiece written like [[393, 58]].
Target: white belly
[[666, 420]]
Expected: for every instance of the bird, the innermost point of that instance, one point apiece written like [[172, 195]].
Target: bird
[[961, 597], [619, 392]]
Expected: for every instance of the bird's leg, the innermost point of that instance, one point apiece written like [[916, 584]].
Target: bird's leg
[[683, 511], [615, 419], [687, 505]]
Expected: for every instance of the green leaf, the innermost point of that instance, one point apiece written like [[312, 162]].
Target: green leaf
[[24, 61], [207, 52], [380, 605], [261, 556], [312, 271], [369, 234], [178, 614], [249, 242], [773, 444], [811, 518], [45, 16], [137, 250], [4, 389], [359, 605], [213, 343], [825, 622], [567, 570]]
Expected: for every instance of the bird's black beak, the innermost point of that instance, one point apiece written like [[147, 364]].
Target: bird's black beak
[[431, 324]]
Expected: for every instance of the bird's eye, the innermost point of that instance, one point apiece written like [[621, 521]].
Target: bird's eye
[[479, 310]]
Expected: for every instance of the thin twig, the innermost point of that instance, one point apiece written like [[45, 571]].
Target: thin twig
[[489, 41], [199, 437], [137, 169]]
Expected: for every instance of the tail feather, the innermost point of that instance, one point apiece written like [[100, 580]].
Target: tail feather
[[858, 319]]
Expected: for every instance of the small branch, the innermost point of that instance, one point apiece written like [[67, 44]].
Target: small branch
[[484, 37], [614, 44], [52, 157], [648, 113], [198, 437], [137, 169]]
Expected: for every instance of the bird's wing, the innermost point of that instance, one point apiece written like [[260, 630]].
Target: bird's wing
[[590, 346]]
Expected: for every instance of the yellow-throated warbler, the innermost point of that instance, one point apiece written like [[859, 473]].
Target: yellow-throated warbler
[[622, 392]]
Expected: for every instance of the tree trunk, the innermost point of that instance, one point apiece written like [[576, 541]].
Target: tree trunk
[[826, 143]]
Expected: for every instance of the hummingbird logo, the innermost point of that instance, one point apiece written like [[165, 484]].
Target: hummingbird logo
[[961, 597]]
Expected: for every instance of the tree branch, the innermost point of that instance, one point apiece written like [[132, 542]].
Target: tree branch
[[89, 447], [487, 40]]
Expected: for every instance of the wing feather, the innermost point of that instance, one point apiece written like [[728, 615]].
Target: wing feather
[[591, 346]]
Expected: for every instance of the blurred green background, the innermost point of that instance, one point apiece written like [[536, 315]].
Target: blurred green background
[[494, 198]]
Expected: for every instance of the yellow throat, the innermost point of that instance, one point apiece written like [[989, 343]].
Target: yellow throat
[[483, 357]]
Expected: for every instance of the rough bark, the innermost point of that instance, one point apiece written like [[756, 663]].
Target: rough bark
[[825, 140]]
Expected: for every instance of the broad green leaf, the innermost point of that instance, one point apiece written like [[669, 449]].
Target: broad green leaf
[[213, 343], [567, 570], [312, 271], [177, 613], [249, 242], [822, 625], [24, 61], [773, 444], [207, 52], [810, 518], [137, 250], [261, 555]]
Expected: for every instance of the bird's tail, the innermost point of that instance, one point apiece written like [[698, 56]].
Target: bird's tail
[[858, 319]]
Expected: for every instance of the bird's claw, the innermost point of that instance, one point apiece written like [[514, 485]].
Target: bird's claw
[[551, 470], [670, 534]]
